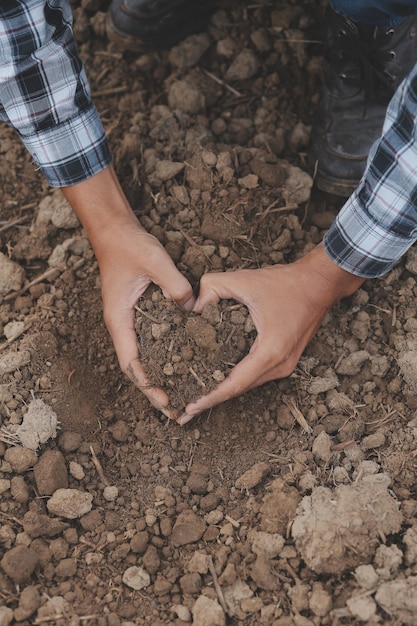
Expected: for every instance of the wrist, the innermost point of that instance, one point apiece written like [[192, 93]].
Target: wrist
[[331, 282], [102, 208]]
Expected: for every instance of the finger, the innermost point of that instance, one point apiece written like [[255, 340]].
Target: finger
[[218, 286], [172, 282], [124, 340], [243, 376]]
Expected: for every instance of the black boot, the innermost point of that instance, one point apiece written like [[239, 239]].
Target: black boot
[[363, 67], [138, 24]]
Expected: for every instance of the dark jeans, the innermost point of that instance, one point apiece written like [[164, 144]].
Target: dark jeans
[[375, 12]]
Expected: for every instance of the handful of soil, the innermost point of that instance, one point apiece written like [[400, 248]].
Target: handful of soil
[[188, 354]]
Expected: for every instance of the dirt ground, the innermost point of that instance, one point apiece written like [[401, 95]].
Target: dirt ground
[[293, 505]]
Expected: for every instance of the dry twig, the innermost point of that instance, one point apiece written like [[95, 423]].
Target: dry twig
[[217, 587], [98, 467]]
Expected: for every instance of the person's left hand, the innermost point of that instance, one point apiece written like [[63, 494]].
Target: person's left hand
[[287, 304]]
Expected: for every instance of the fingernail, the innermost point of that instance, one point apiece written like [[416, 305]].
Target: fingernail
[[184, 419], [188, 306]]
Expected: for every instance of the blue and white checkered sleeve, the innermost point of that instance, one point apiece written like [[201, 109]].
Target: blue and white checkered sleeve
[[44, 92], [378, 223]]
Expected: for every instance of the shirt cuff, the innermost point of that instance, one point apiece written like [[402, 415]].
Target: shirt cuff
[[72, 151], [358, 243]]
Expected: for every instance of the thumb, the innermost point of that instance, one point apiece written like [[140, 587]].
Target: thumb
[[173, 284], [217, 286]]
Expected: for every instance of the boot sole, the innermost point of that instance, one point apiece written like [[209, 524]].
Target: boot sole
[[336, 186]]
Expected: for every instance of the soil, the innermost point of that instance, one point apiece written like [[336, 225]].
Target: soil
[[292, 505]]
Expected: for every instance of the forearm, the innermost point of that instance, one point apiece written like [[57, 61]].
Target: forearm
[[102, 208], [44, 92], [378, 224]]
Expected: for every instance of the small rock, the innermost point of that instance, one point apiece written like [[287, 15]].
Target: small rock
[[253, 476], [70, 503], [186, 97], [188, 53], [366, 576], [136, 578], [50, 473], [352, 364], [40, 525], [39, 424], [29, 602], [21, 459], [188, 528], [164, 170], [19, 490], [120, 431], [13, 329], [70, 441], [13, 360], [66, 568], [182, 612], [76, 470], [139, 542], [245, 66], [322, 447], [376, 440], [110, 493], [267, 544], [4, 485], [364, 608], [12, 275], [6, 616], [19, 563], [207, 612]]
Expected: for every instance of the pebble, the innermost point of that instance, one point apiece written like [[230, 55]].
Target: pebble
[[21, 459], [12, 275], [120, 431], [6, 616], [182, 612], [29, 602], [39, 424], [244, 66], [19, 563], [70, 503], [188, 52], [41, 525], [188, 528], [14, 360], [136, 578], [110, 493], [50, 473], [253, 476], [207, 612], [4, 485], [76, 470], [364, 608], [322, 447], [19, 489], [70, 441]]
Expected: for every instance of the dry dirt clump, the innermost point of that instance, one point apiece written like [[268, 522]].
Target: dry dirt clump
[[188, 354]]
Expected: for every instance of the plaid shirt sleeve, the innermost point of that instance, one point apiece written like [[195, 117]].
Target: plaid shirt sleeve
[[378, 223], [44, 92]]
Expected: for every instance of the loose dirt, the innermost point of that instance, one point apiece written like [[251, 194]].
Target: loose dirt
[[292, 505]]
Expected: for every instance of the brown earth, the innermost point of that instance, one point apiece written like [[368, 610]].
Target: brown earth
[[293, 505]]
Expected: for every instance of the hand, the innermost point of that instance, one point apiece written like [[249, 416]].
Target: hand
[[129, 259], [287, 304]]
